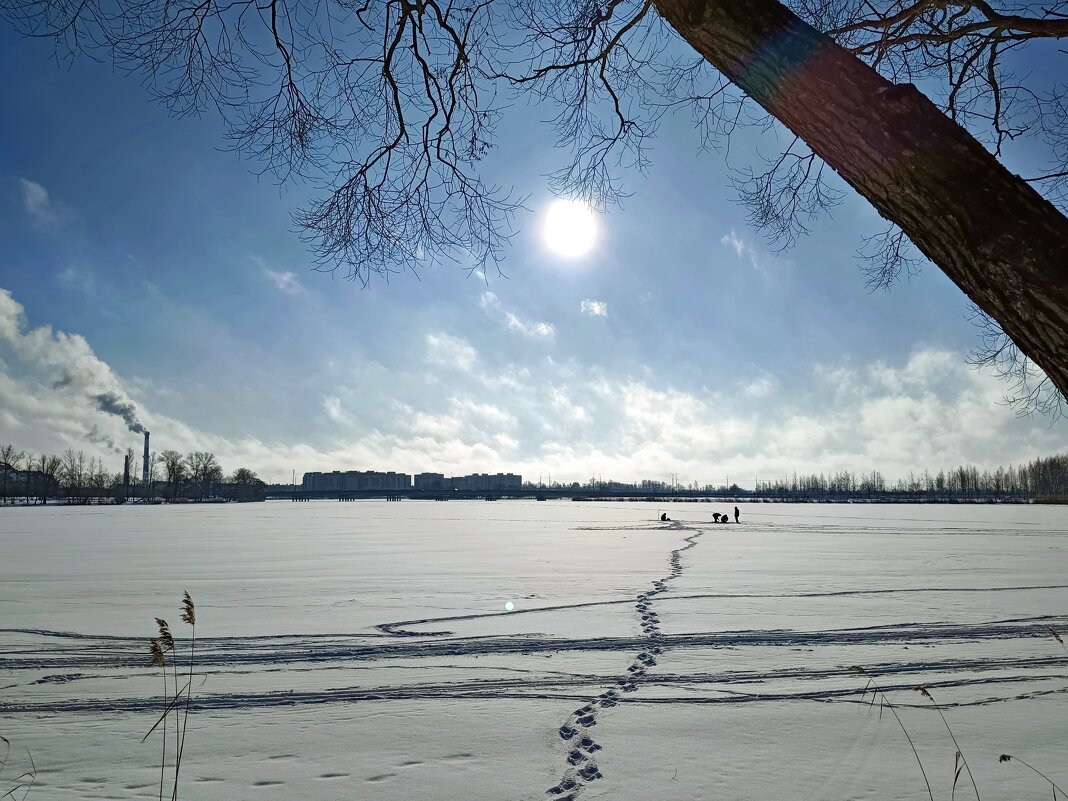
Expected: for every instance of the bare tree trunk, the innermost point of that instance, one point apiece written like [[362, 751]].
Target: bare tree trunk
[[987, 229]]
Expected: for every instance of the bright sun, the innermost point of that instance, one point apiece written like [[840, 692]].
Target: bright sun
[[570, 228]]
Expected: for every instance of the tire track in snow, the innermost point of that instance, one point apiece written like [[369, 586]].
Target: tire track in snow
[[98, 653], [400, 627], [524, 691], [581, 760]]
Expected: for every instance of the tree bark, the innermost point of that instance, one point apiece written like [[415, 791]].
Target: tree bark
[[995, 237]]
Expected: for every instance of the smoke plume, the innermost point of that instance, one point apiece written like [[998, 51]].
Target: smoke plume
[[94, 434], [112, 403]]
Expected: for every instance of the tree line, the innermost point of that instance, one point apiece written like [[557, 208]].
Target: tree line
[[1040, 479], [1045, 478], [76, 478]]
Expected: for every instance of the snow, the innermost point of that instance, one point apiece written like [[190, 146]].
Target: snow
[[365, 650]]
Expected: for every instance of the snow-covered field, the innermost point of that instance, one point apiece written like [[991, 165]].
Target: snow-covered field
[[364, 650]]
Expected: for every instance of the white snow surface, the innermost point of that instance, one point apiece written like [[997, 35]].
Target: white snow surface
[[364, 651]]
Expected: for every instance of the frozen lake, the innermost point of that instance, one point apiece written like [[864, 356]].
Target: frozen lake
[[364, 650]]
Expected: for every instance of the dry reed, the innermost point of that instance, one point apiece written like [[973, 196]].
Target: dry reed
[[24, 781], [1056, 787], [884, 702], [959, 761], [172, 693]]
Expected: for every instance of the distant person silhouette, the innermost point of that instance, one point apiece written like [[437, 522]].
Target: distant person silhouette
[[724, 519], [736, 513], [715, 516], [664, 518]]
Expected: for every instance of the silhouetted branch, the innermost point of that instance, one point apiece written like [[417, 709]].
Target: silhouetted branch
[[887, 256], [1031, 390], [791, 192]]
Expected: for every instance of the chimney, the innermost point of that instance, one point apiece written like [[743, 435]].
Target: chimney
[[145, 489], [126, 477]]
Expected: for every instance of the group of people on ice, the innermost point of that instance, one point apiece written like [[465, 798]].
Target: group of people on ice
[[717, 516]]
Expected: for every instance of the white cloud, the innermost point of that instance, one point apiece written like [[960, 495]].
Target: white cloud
[[594, 308], [37, 204], [495, 310], [62, 357], [561, 418], [335, 411], [760, 387], [732, 240], [486, 413], [758, 260], [284, 281], [569, 411], [449, 351], [78, 277]]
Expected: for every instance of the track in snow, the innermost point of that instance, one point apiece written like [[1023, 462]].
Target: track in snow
[[581, 758]]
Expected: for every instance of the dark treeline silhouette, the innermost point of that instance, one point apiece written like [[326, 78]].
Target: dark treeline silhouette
[[1041, 479], [74, 478]]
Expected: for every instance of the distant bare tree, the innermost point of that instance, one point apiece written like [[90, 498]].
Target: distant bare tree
[[247, 486], [390, 106], [213, 477], [202, 468], [12, 458], [97, 478], [73, 473], [174, 469], [243, 476], [50, 468]]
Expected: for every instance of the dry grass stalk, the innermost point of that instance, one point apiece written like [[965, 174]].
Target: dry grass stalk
[[884, 702], [166, 640], [23, 782], [189, 616], [960, 760], [173, 696], [1056, 788], [160, 660]]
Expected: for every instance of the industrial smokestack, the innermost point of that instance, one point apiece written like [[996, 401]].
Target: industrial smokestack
[[145, 489], [126, 477]]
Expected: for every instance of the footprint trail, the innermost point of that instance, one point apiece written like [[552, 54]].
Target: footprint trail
[[581, 758]]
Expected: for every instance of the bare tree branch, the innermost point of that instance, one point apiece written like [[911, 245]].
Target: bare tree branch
[[1031, 391], [389, 107]]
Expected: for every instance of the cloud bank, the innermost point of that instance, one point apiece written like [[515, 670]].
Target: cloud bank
[[456, 411]]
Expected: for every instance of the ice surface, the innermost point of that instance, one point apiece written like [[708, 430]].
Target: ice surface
[[364, 650]]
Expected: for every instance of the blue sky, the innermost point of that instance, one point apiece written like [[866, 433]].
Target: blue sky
[[138, 253]]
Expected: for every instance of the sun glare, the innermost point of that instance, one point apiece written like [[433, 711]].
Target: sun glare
[[570, 228]]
